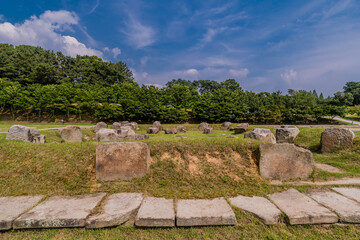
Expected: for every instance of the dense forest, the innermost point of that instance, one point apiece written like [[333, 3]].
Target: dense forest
[[37, 84]]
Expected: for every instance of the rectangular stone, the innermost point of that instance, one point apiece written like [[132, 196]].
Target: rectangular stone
[[301, 209], [12, 207], [59, 211], [156, 212], [204, 212], [353, 193], [347, 209], [116, 210], [258, 206]]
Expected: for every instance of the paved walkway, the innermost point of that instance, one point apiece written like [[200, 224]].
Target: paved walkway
[[101, 210], [344, 120], [55, 129]]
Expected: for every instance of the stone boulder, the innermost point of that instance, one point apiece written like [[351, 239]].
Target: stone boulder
[[116, 125], [170, 130], [285, 161], [133, 125], [208, 130], [225, 125], [181, 129], [157, 125], [25, 134], [286, 134], [334, 137], [124, 133], [203, 125], [123, 161], [240, 128], [105, 134], [71, 134], [99, 126], [153, 130], [261, 134]]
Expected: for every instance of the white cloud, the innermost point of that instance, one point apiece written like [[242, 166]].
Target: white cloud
[[289, 76], [241, 73], [192, 72], [106, 49], [144, 60], [116, 52], [43, 31], [138, 34]]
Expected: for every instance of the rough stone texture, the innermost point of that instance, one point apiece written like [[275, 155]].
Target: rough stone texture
[[203, 125], [116, 210], [353, 193], [141, 137], [301, 209], [170, 130], [71, 134], [116, 126], [106, 134], [344, 181], [208, 130], [261, 134], [99, 126], [328, 168], [125, 160], [335, 137], [126, 131], [240, 128], [59, 212], [259, 206], [225, 125], [152, 130], [156, 212], [285, 161], [133, 125], [204, 213], [286, 134], [181, 129], [157, 125], [12, 207], [25, 134], [347, 209]]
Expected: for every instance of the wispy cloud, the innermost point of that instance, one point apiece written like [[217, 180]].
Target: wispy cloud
[[138, 34]]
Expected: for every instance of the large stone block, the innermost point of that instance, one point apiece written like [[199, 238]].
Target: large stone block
[[335, 137], [157, 125], [208, 130], [286, 134], [152, 130], [71, 134], [25, 134], [105, 134], [261, 134], [285, 161], [99, 126], [181, 129], [240, 128], [225, 125], [352, 193], [124, 161], [203, 126]]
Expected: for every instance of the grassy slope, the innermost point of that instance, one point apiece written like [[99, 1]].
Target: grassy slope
[[201, 166]]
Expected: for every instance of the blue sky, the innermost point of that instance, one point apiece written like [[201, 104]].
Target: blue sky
[[264, 45]]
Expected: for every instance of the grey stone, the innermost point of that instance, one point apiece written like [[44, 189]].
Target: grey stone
[[157, 125], [116, 210], [59, 212], [39, 139], [121, 160], [152, 130], [208, 130], [344, 181], [181, 129], [105, 134], [301, 209], [203, 125], [347, 209], [170, 130], [203, 212], [71, 134], [99, 126], [240, 128], [328, 168], [25, 134], [334, 137], [126, 131], [261, 134], [156, 212], [353, 193], [12, 207], [286, 134], [141, 137], [225, 125], [285, 161], [258, 206], [116, 126]]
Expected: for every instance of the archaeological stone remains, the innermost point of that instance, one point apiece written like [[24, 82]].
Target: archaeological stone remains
[[208, 130], [99, 126], [261, 134], [203, 125], [240, 128], [71, 134], [25, 134], [225, 125], [286, 134], [181, 129], [334, 137]]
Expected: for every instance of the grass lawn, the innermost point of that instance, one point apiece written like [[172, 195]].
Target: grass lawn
[[200, 166]]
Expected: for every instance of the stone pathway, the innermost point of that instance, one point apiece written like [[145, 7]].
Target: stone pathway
[[101, 210], [328, 168], [344, 181]]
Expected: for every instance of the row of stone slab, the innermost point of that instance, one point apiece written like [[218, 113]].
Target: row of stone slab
[[99, 210]]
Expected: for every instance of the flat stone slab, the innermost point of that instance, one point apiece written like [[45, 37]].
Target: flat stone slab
[[347, 209], [203, 212], [59, 212], [258, 206], [328, 168], [156, 212], [12, 207], [301, 209], [353, 193], [344, 181], [116, 210]]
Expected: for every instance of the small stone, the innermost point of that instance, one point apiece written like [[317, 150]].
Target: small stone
[[157, 125], [328, 168], [156, 212], [259, 206], [261, 134], [334, 137], [353, 193], [203, 125], [170, 130], [116, 126], [225, 125], [181, 136], [286, 134], [181, 129], [71, 134], [204, 212], [152, 130], [232, 137], [99, 126], [240, 128], [208, 130], [105, 134]]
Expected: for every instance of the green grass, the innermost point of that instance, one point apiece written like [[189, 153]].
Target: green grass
[[200, 166]]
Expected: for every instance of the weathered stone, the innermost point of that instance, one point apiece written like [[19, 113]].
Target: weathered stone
[[204, 212], [157, 125], [106, 134], [347, 209], [125, 160], [12, 207], [141, 137], [286, 134], [352, 193], [126, 131], [285, 161], [59, 212], [208, 130], [116, 126], [328, 168], [261, 134], [99, 126], [71, 134], [170, 131], [240, 128], [156, 212], [225, 125], [181, 129], [133, 125], [344, 181], [152, 130], [300, 209], [259, 206], [334, 137], [203, 126], [25, 134], [116, 210]]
